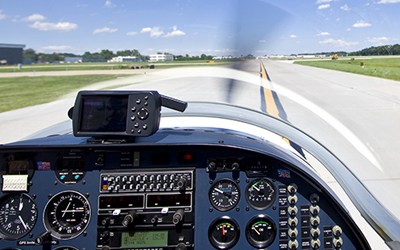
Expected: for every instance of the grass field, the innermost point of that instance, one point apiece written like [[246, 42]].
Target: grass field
[[388, 68], [19, 92], [107, 66]]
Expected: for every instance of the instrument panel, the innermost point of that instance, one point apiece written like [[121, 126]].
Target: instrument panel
[[148, 195]]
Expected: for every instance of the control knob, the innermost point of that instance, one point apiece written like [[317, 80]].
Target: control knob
[[211, 166], [178, 216], [42, 238], [129, 218], [180, 246], [337, 231], [182, 183]]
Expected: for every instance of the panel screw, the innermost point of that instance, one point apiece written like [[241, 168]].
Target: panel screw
[[210, 209], [55, 182], [237, 209], [83, 182], [87, 195], [247, 208], [49, 196]]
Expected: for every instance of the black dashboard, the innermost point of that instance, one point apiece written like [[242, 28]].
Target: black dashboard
[[177, 189]]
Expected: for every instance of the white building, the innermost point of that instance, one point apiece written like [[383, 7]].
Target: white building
[[161, 58], [125, 59]]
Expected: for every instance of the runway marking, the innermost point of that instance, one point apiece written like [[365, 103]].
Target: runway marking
[[269, 98]]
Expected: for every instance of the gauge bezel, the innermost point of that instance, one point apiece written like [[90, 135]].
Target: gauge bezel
[[222, 245], [8, 236], [254, 204], [256, 243], [218, 207], [48, 221]]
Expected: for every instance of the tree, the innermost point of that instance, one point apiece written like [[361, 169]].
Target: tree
[[105, 54], [30, 54]]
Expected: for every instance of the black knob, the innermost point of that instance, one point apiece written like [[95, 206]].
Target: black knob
[[182, 183], [180, 246], [129, 218], [42, 238], [104, 237], [211, 166], [154, 220], [178, 216], [105, 221]]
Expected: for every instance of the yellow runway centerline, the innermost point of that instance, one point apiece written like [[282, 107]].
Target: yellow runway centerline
[[269, 98]]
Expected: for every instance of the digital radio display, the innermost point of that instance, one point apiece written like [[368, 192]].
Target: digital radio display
[[144, 239], [130, 201], [168, 200]]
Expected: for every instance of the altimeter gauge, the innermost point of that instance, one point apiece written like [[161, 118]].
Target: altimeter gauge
[[67, 214], [18, 215]]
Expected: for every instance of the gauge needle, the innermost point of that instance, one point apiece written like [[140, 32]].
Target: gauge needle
[[219, 190], [254, 228], [21, 204], [23, 223], [256, 188], [66, 209], [223, 229]]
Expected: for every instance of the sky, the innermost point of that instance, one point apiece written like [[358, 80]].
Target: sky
[[195, 27]]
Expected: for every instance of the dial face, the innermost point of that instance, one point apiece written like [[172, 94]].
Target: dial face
[[223, 232], [67, 214], [224, 194], [260, 231], [18, 215], [260, 193]]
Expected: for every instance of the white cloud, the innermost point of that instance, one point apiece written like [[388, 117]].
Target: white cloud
[[33, 18], [64, 26], [324, 6], [154, 32], [2, 16], [109, 4], [293, 36], [323, 1], [144, 30], [378, 40], [345, 7], [57, 48], [105, 29], [361, 24], [389, 1], [324, 34], [175, 33], [262, 41], [348, 29], [131, 33], [338, 43]]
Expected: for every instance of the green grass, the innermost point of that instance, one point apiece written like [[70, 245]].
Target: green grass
[[388, 68], [19, 92], [107, 66]]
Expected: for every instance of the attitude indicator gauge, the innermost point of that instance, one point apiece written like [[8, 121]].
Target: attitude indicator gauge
[[260, 193], [224, 194], [18, 215], [67, 214], [260, 231], [223, 232]]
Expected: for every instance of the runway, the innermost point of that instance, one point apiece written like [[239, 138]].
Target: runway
[[356, 117]]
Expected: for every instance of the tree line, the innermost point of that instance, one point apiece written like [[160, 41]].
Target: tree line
[[379, 50]]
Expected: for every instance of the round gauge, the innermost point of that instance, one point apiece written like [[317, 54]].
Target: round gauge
[[18, 215], [223, 232], [260, 231], [67, 214], [260, 193], [224, 194]]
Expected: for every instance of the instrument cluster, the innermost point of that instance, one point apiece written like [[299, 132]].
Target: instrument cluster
[[150, 196]]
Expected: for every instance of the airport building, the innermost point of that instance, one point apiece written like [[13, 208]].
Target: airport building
[[125, 59], [74, 59], [161, 58], [11, 53]]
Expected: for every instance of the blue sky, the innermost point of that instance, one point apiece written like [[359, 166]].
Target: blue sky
[[194, 27]]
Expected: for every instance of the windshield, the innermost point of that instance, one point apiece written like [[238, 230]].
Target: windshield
[[328, 67]]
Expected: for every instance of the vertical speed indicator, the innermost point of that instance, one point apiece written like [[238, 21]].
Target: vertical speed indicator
[[224, 194]]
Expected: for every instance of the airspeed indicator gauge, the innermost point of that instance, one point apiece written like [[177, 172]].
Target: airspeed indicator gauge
[[224, 194]]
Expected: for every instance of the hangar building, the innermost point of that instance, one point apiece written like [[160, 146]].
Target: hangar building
[[11, 53]]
